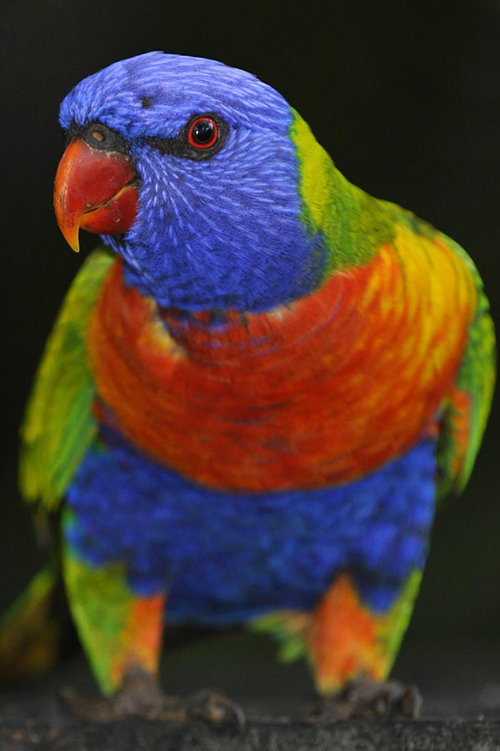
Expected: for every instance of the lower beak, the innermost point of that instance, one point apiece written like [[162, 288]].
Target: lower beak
[[94, 190]]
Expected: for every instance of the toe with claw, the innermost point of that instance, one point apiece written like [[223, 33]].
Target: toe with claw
[[369, 699], [140, 696], [214, 708]]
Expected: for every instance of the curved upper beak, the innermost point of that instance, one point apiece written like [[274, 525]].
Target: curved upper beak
[[94, 190]]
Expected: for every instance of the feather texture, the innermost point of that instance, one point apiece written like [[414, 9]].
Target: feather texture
[[250, 412]]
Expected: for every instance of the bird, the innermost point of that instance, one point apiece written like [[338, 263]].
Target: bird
[[258, 390]]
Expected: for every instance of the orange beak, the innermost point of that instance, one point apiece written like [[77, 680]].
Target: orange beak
[[94, 190]]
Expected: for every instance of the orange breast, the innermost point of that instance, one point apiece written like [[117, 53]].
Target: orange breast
[[313, 394]]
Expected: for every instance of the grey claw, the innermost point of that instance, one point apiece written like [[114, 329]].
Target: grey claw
[[215, 709]]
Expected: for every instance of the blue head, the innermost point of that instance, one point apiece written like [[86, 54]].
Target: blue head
[[217, 226]]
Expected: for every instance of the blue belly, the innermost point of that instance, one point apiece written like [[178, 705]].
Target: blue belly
[[225, 558]]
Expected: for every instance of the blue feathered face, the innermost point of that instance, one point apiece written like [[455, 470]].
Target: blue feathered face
[[218, 221]]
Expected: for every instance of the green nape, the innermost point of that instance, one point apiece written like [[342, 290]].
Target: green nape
[[353, 223]]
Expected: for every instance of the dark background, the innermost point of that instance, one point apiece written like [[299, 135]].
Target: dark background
[[406, 98]]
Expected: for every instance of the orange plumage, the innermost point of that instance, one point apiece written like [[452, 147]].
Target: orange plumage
[[322, 383]]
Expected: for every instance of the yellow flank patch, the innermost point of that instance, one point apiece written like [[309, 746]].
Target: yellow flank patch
[[446, 308]]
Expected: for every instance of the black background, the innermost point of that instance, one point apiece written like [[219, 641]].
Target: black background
[[406, 98]]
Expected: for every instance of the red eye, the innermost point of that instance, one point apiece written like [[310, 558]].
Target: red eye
[[203, 132]]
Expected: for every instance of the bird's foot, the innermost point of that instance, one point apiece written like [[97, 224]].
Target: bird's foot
[[369, 699], [140, 696], [214, 708]]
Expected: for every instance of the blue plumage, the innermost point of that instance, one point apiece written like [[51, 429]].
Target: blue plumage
[[199, 223], [213, 448], [227, 558]]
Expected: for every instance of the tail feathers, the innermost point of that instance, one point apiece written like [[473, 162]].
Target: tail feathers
[[30, 630]]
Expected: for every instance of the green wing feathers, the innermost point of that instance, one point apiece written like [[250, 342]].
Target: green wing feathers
[[55, 435], [59, 425], [465, 416], [30, 630]]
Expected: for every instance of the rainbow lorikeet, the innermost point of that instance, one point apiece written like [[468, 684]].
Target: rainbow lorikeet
[[254, 398]]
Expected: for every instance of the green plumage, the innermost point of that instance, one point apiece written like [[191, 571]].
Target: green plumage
[[59, 425], [400, 359], [476, 378]]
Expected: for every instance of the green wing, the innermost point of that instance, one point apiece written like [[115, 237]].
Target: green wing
[[59, 425], [31, 630], [57, 431], [465, 417]]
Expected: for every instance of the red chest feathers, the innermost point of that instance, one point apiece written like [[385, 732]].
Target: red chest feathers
[[309, 395]]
